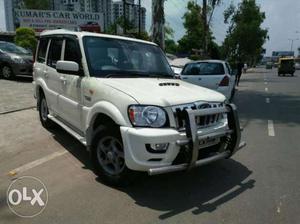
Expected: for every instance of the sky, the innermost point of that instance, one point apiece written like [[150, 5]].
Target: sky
[[282, 21]]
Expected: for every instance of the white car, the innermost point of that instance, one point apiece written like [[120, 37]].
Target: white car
[[213, 74], [118, 97], [178, 64]]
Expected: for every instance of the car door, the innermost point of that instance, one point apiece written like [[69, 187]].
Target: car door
[[51, 76], [70, 100], [206, 74]]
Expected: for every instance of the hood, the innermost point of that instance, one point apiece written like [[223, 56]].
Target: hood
[[26, 57], [163, 92]]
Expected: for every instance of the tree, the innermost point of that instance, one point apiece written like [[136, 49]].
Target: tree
[[170, 44], [193, 23], [245, 37], [158, 22], [37, 4], [25, 37]]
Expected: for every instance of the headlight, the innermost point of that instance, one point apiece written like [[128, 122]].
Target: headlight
[[18, 59], [147, 116]]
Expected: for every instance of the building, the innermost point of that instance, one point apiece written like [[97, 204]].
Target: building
[[6, 16], [132, 13], [112, 10], [103, 6]]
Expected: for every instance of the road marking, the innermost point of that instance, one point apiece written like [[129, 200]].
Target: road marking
[[17, 110], [36, 163], [268, 100], [266, 89], [271, 130]]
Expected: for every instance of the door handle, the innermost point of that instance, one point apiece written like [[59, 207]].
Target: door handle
[[63, 80], [184, 78], [199, 79]]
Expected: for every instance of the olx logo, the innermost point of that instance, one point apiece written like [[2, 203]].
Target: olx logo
[[27, 196]]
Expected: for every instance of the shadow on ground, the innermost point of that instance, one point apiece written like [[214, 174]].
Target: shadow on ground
[[202, 190]]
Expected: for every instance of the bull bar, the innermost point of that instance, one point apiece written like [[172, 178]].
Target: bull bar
[[193, 139]]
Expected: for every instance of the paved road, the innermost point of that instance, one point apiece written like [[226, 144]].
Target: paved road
[[16, 94], [260, 184]]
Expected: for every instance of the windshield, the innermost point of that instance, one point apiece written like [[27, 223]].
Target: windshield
[[109, 57], [12, 48]]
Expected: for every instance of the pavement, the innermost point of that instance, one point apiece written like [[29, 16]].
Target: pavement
[[260, 184], [16, 94]]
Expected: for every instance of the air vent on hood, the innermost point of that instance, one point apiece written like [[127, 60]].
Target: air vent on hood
[[169, 84]]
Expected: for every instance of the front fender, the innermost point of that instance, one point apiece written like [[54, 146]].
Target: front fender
[[106, 108]]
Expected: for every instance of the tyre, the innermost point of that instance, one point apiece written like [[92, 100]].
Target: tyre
[[107, 156], [7, 72], [43, 112], [232, 95]]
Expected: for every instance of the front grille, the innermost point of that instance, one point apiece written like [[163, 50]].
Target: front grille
[[201, 121]]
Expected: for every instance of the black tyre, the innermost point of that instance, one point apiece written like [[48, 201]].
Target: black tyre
[[7, 72], [107, 156], [43, 112], [232, 95]]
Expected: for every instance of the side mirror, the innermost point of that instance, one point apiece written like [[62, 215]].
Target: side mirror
[[67, 67]]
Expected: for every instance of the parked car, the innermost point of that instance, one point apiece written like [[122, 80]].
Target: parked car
[[178, 64], [119, 98], [213, 74], [269, 65], [297, 65], [14, 60]]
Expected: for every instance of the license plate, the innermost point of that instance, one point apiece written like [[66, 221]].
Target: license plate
[[209, 142]]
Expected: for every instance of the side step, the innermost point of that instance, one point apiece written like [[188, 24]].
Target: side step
[[68, 129]]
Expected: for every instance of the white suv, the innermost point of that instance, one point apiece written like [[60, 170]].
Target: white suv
[[118, 97]]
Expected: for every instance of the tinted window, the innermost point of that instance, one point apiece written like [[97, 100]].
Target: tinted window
[[72, 52], [41, 56], [229, 68], [107, 56], [204, 68], [54, 52]]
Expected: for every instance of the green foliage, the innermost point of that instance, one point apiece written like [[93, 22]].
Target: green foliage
[[131, 30], [120, 22], [142, 36], [25, 37], [37, 4], [170, 44], [193, 23], [169, 32], [245, 37]]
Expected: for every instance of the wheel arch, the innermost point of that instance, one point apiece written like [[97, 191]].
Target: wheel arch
[[104, 113]]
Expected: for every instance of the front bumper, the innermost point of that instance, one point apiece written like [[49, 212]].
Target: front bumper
[[140, 159], [22, 69]]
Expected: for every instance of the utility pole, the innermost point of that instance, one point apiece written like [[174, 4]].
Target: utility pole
[[158, 23], [124, 16], [139, 17], [205, 34], [292, 44]]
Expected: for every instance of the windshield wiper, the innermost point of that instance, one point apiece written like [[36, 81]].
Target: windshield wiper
[[135, 75], [161, 75]]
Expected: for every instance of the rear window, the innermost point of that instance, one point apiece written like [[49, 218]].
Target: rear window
[[41, 55], [204, 68]]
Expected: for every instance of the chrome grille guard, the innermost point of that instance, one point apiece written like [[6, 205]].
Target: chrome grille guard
[[193, 138]]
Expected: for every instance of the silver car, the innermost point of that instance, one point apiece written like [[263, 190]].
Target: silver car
[[14, 60]]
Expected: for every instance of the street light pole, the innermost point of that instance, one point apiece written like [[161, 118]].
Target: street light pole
[[292, 43]]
